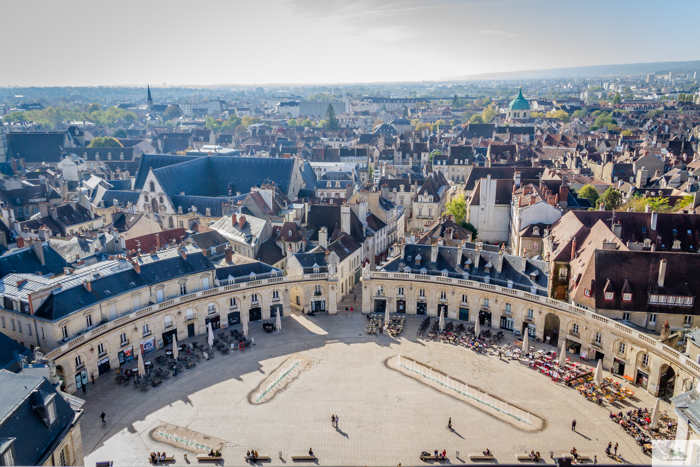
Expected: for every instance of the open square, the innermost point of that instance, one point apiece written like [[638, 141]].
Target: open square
[[385, 417]]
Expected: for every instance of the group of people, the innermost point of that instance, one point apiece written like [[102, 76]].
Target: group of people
[[157, 457], [334, 421], [437, 454], [251, 456], [535, 456], [213, 453], [610, 450]]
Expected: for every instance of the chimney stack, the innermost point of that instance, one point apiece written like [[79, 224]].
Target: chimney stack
[[234, 220], [573, 249], [88, 285], [241, 222], [662, 272], [654, 219], [229, 254], [137, 267], [323, 238], [433, 252]]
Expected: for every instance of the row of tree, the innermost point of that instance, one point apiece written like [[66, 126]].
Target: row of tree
[[52, 116]]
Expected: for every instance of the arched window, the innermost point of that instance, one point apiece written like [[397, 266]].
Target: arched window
[[152, 186], [160, 200], [421, 293], [254, 298], [232, 302]]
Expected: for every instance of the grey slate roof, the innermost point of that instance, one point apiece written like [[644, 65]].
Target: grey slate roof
[[19, 394], [10, 350], [35, 147], [155, 161]]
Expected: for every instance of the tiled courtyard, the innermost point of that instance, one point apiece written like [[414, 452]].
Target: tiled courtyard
[[386, 418]]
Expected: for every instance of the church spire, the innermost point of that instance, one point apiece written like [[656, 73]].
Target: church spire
[[150, 99]]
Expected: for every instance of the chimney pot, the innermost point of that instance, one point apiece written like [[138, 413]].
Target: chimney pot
[[662, 272]]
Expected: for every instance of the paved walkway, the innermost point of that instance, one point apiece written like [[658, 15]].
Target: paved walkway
[[386, 418]]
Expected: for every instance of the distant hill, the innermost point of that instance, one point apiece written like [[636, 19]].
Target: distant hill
[[592, 71]]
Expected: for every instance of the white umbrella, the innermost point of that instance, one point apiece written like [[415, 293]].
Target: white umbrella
[[477, 328], [245, 325], [278, 320], [598, 377], [655, 414], [526, 341], [387, 316], [142, 369], [442, 320], [210, 337], [175, 347], [562, 356]]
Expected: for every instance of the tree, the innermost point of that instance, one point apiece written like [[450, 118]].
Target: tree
[[612, 199], [120, 133], [331, 120], [467, 114], [94, 107], [306, 123], [617, 99], [172, 111], [470, 227], [456, 104], [441, 122], [105, 142], [15, 117], [537, 114], [292, 122], [436, 152], [627, 133], [579, 114], [559, 115], [590, 193], [404, 112], [476, 119], [488, 114], [247, 121], [240, 129], [424, 126], [457, 208]]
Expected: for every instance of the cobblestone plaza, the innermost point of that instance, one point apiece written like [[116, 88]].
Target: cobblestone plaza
[[385, 417]]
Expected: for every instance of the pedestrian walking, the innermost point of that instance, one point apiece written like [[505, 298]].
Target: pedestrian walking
[[354, 299], [449, 424], [336, 421], [609, 448], [333, 420], [84, 389], [102, 416], [616, 449], [573, 425], [595, 459]]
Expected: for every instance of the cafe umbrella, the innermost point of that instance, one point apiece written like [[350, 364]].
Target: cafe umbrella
[[245, 325], [210, 337], [598, 377], [562, 356], [175, 347], [526, 341], [278, 320], [477, 328], [387, 316], [142, 369], [655, 415], [442, 321]]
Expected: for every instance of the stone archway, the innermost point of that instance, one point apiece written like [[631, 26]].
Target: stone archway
[[667, 381], [551, 329]]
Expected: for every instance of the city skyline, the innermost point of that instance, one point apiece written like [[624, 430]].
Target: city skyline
[[317, 42]]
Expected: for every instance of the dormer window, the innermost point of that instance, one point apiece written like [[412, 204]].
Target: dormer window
[[647, 243], [671, 300], [609, 295], [654, 299], [626, 297], [328, 184], [676, 245]]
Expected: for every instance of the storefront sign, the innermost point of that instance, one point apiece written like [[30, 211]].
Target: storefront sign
[[149, 345], [126, 356]]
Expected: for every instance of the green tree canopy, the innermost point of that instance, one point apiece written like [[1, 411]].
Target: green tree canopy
[[120, 133], [488, 114], [590, 193], [457, 208], [611, 198], [292, 122], [172, 111], [247, 121], [94, 107], [424, 126], [441, 122], [105, 142], [331, 120], [404, 112], [559, 115], [476, 119], [306, 123], [617, 99]]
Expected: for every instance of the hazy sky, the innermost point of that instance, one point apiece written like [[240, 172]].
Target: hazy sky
[[94, 42]]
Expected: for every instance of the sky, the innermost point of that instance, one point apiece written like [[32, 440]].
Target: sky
[[209, 42]]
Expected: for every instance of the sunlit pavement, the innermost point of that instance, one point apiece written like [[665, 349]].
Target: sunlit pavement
[[385, 418]]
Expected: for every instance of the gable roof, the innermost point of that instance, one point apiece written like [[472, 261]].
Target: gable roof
[[36, 147]]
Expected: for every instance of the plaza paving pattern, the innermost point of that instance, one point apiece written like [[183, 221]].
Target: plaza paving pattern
[[385, 417]]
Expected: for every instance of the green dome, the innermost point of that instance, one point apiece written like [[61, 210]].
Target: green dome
[[519, 103]]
